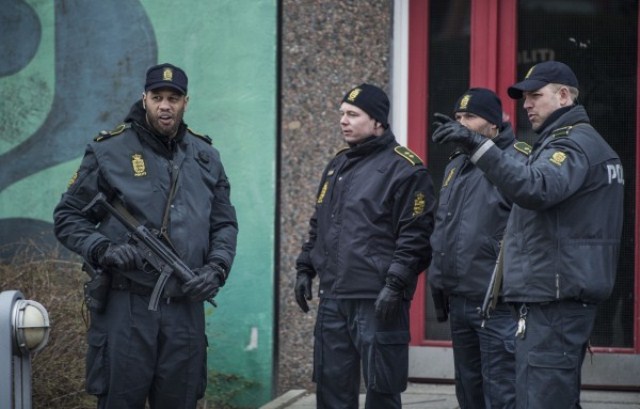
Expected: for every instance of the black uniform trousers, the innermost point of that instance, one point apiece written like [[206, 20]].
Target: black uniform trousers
[[136, 354], [484, 356], [549, 357], [348, 335]]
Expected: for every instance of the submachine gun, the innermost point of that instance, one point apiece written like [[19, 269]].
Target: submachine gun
[[152, 249], [493, 290]]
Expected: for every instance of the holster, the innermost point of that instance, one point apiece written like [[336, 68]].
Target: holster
[[441, 304], [96, 290]]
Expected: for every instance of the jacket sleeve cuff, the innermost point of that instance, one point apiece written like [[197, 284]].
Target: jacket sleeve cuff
[[482, 149], [91, 243], [406, 275]]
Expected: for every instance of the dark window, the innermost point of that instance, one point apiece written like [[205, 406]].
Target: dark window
[[449, 41], [598, 40]]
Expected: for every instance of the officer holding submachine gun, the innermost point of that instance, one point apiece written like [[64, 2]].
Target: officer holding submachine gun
[[149, 211]]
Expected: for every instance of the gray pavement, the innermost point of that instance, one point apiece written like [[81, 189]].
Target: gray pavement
[[439, 396]]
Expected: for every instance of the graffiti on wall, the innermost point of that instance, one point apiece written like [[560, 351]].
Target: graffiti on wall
[[69, 69], [96, 67]]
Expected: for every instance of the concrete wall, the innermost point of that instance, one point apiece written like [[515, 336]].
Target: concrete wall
[[328, 46], [69, 69]]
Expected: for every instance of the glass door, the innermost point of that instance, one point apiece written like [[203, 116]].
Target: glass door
[[599, 41], [492, 43]]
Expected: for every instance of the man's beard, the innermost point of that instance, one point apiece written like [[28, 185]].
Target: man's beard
[[169, 132]]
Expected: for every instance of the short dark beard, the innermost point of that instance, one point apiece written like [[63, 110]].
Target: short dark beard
[[170, 134]]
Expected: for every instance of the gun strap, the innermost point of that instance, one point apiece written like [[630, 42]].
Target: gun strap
[[165, 218], [119, 206], [497, 284]]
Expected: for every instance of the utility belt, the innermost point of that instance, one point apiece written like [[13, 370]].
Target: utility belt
[[121, 283], [478, 300]]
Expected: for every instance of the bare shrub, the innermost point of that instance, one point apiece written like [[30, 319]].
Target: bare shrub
[[56, 283]]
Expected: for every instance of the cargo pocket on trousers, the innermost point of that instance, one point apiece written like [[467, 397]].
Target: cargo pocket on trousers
[[97, 368], [202, 386], [390, 367], [555, 374]]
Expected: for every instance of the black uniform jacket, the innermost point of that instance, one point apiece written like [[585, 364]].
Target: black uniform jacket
[[140, 168], [563, 235], [470, 222], [373, 217]]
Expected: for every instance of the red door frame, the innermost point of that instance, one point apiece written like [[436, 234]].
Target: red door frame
[[417, 112], [493, 65]]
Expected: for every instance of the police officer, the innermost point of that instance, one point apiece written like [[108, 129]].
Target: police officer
[[470, 221], [563, 235], [171, 180], [368, 241]]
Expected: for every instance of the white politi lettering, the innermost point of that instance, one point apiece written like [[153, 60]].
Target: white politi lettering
[[536, 55], [615, 173]]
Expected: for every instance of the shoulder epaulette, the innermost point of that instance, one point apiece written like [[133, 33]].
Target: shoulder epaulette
[[560, 132], [104, 135], [456, 153], [205, 138], [341, 150], [523, 148], [408, 155]]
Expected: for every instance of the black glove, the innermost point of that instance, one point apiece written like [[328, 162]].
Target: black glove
[[390, 299], [124, 257], [448, 130], [303, 290], [441, 304], [206, 284]]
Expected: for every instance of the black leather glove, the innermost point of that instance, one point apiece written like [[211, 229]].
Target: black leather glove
[[441, 304], [448, 130], [206, 284], [303, 290], [390, 299], [124, 257]]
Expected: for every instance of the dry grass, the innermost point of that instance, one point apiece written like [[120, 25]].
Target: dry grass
[[58, 370]]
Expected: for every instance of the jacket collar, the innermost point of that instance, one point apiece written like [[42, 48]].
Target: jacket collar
[[137, 117], [371, 144]]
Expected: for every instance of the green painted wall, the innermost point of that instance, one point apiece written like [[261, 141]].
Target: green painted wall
[[80, 72]]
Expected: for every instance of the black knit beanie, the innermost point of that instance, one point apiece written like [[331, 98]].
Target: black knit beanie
[[482, 102], [371, 100]]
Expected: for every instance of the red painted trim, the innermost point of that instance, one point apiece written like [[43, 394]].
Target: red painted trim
[[417, 76], [494, 48], [484, 44], [417, 127], [636, 337], [507, 56]]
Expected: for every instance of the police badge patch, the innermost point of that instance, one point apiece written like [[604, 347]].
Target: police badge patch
[[450, 175], [137, 162], [418, 204], [73, 179], [558, 158], [323, 192]]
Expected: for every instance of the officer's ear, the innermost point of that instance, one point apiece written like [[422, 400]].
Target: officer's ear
[[143, 103]]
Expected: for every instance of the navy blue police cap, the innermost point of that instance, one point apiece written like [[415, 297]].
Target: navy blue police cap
[[548, 72], [166, 76]]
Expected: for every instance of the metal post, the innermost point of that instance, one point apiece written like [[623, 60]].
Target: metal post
[[24, 330], [7, 358]]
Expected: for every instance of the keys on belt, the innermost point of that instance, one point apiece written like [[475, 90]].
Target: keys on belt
[[522, 321]]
